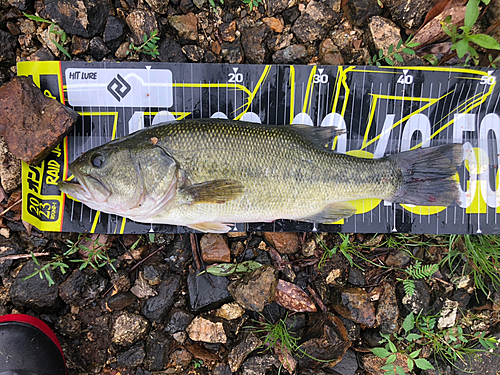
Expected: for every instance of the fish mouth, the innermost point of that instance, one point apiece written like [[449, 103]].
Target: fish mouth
[[81, 187]]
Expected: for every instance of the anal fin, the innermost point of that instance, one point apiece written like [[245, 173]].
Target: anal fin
[[331, 213], [210, 227]]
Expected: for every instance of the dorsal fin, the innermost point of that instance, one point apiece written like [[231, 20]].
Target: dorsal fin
[[320, 136]]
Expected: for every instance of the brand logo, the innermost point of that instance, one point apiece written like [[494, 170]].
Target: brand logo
[[118, 87]]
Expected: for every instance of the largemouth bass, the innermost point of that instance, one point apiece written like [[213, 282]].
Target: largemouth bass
[[208, 173]]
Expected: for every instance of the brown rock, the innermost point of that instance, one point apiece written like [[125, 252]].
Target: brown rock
[[253, 43], [10, 168], [158, 6], [186, 26], [329, 54], [216, 48], [240, 352], [227, 31], [121, 52], [204, 330], [388, 311], [141, 22], [31, 123], [79, 45], [325, 339], [274, 23], [354, 304], [256, 289], [43, 54], [214, 248], [283, 242]]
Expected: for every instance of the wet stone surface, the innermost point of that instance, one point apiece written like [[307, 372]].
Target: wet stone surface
[[354, 304], [128, 328], [207, 292], [257, 289], [82, 287], [156, 308]]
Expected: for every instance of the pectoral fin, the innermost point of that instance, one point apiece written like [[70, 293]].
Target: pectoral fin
[[211, 227], [216, 191], [332, 213]]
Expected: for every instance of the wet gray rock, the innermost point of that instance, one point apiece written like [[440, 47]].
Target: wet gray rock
[[253, 43], [325, 339], [93, 347], [407, 13], [353, 329], [132, 357], [207, 292], [388, 311], [239, 353], [178, 250], [21, 4], [485, 363], [8, 246], [315, 21], [85, 18], [354, 304], [232, 52], [359, 11], [194, 53], [128, 328], [158, 6], [348, 365], [121, 300], [259, 365], [114, 33], [356, 277], [187, 6], [256, 289], [82, 287], [290, 15], [98, 48], [419, 301], [34, 293], [186, 26], [170, 51], [7, 46], [158, 346], [177, 321], [152, 274], [141, 22], [156, 308]]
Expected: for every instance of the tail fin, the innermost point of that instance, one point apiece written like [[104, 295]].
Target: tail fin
[[428, 175]]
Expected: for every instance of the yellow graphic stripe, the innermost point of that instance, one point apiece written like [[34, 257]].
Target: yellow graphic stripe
[[427, 68], [122, 228], [341, 81], [430, 101], [250, 98], [309, 89], [96, 220], [292, 93]]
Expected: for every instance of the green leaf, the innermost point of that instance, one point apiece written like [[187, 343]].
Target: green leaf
[[461, 47], [392, 347], [145, 38], [409, 322], [389, 61], [400, 370], [398, 57], [413, 336], [413, 44], [391, 358], [415, 353], [380, 352], [423, 364], [36, 18], [151, 237], [471, 13], [485, 41], [247, 266], [380, 53], [408, 51], [410, 363], [400, 43], [391, 48]]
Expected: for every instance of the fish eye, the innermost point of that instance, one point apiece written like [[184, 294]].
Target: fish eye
[[97, 160]]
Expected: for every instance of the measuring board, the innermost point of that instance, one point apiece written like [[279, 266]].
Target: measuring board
[[384, 110]]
